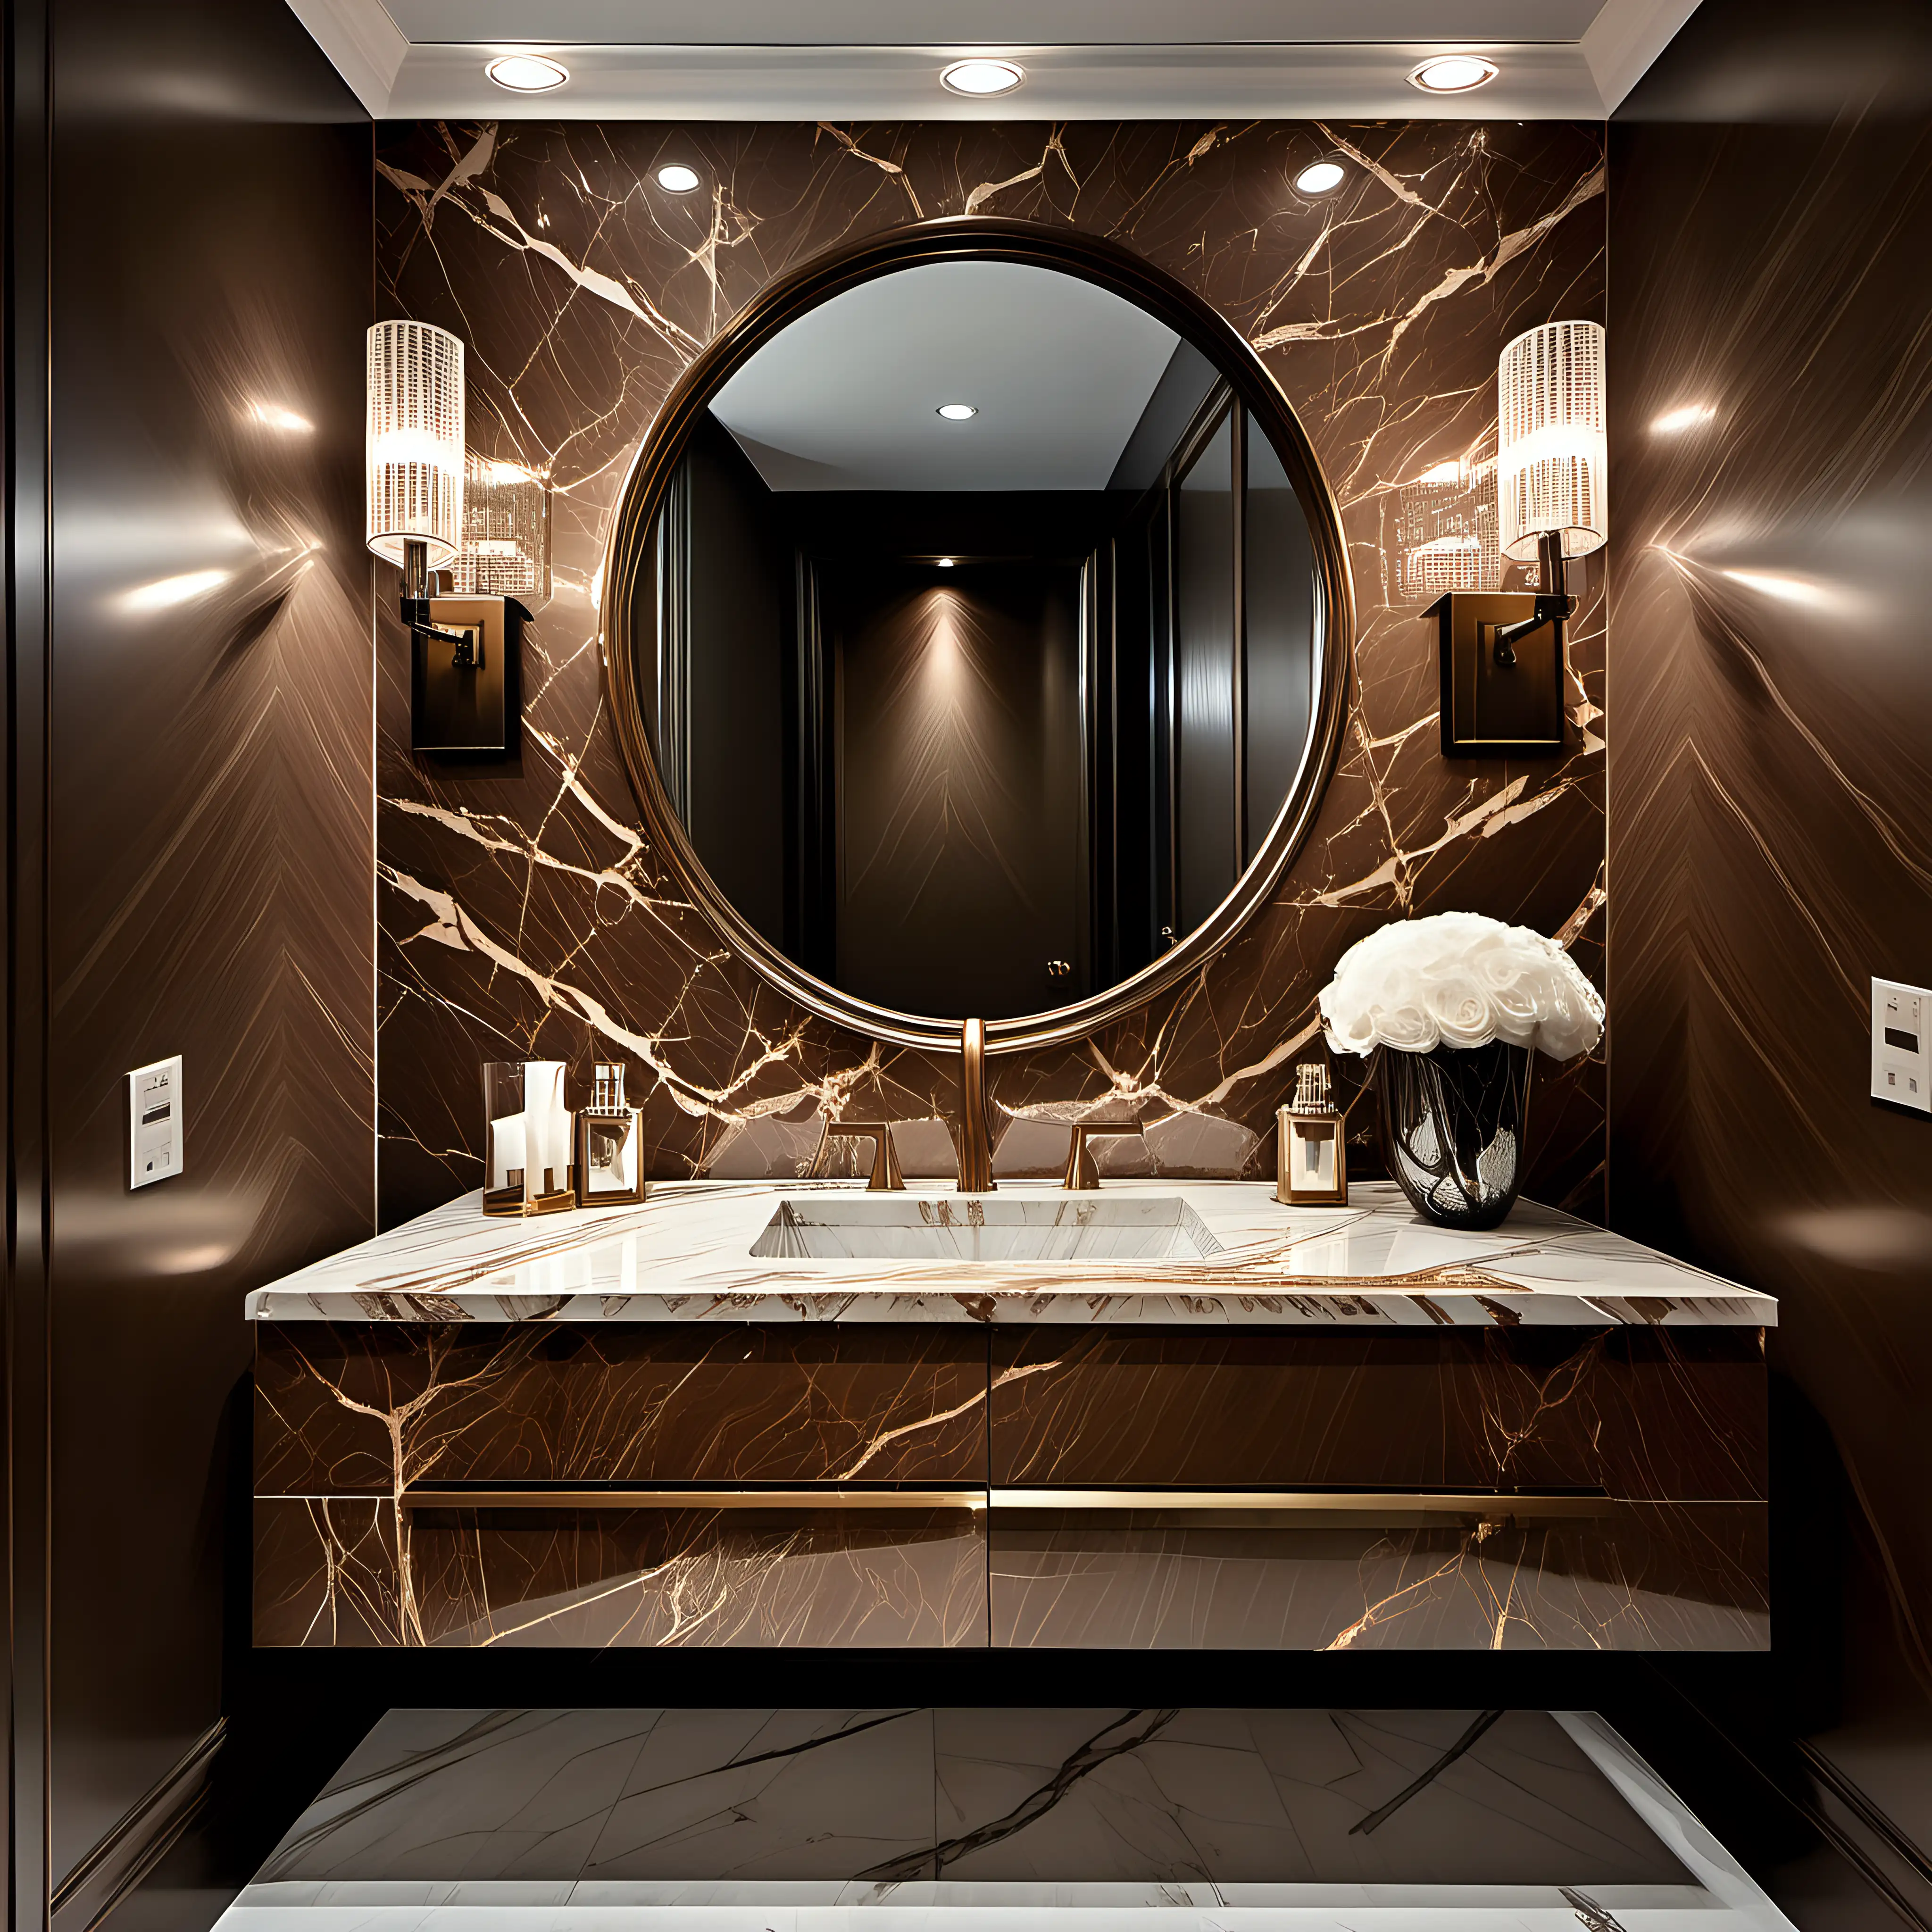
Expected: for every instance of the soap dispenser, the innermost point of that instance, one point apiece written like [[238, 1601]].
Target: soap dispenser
[[1312, 1158], [610, 1143]]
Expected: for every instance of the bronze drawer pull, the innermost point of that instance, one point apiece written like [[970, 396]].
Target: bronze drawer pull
[[1307, 1502], [824, 1497], [1248, 1503]]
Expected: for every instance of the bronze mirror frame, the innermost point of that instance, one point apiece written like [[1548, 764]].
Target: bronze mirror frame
[[1108, 265]]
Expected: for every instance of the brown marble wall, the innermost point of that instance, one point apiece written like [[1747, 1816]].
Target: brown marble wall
[[1770, 794], [521, 911]]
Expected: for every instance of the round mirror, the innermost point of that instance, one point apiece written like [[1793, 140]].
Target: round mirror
[[977, 626]]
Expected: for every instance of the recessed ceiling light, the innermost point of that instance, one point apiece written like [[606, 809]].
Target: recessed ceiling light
[[1319, 178], [983, 76], [527, 74], [956, 412], [1689, 417], [1453, 74], [945, 563], [677, 178]]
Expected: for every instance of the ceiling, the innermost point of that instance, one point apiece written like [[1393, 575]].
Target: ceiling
[[846, 397], [1085, 59]]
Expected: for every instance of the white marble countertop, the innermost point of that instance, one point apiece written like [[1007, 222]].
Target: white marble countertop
[[686, 1254]]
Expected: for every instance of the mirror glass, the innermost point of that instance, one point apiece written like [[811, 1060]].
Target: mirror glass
[[985, 636]]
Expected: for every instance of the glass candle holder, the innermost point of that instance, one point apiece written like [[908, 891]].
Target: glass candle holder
[[526, 1150]]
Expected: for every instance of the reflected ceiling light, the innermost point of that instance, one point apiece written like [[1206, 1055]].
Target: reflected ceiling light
[[676, 178], [1319, 178], [1453, 74], [172, 590], [945, 563], [982, 77], [527, 74], [957, 412], [1689, 417], [272, 415]]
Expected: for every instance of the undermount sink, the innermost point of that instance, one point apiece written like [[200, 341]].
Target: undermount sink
[[977, 1228]]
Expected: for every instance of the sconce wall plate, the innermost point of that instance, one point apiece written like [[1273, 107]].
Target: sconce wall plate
[[471, 710], [1491, 709]]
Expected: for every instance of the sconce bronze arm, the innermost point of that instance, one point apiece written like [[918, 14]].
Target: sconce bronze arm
[[1553, 606], [465, 652]]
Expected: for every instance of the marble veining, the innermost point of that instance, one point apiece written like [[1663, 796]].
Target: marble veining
[[687, 1254], [812, 1819], [521, 910]]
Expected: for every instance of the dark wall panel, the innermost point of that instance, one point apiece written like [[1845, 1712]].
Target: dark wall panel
[[1771, 790], [584, 292], [211, 806], [962, 865], [741, 601]]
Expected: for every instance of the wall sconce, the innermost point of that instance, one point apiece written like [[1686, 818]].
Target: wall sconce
[[1502, 658], [463, 652]]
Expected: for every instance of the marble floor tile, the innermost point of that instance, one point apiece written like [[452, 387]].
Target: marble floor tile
[[449, 1795], [1274, 1796], [802, 1795], [952, 1820]]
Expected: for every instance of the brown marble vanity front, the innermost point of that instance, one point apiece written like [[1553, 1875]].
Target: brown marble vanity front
[[383, 1408], [1647, 1413]]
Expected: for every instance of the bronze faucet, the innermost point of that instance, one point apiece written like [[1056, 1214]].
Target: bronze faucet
[[886, 1176], [1082, 1177], [976, 1147]]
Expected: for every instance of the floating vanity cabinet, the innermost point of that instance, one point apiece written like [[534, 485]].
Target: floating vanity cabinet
[[1322, 1430]]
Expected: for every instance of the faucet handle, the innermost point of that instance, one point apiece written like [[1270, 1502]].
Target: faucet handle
[[886, 1178], [1082, 1176]]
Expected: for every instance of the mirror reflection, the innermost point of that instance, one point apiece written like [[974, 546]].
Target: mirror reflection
[[987, 635]]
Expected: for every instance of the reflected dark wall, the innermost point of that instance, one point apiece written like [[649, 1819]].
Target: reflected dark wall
[[211, 808], [1204, 650], [962, 864], [741, 600], [1771, 792]]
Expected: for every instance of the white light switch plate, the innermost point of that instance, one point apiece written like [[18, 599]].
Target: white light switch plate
[[1901, 1029], [155, 1123]]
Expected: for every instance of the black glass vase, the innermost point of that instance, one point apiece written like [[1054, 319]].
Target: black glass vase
[[1454, 1121]]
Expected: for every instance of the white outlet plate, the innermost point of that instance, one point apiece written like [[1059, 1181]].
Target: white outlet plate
[[154, 1125], [1901, 1033]]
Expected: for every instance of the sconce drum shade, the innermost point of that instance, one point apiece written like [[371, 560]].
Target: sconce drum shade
[[1552, 472], [416, 439]]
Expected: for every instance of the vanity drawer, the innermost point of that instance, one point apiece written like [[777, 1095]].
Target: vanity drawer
[[1582, 1575], [359, 1573], [1648, 1412], [379, 1408]]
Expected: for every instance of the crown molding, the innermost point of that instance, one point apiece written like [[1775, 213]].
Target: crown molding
[[1625, 39], [364, 45], [1125, 79]]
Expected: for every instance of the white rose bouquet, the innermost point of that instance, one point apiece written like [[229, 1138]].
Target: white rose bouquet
[[1456, 979]]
